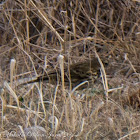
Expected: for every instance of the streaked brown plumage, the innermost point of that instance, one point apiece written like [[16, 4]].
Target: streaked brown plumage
[[76, 73]]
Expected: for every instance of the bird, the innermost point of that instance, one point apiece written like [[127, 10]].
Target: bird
[[76, 73]]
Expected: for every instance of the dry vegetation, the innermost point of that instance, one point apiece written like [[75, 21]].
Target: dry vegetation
[[33, 33]]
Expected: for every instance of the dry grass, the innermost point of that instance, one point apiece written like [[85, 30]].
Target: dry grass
[[34, 34]]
